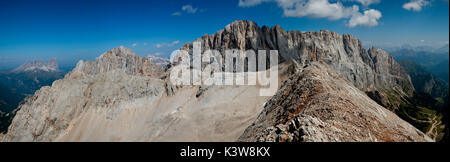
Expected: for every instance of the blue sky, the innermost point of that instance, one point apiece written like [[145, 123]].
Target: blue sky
[[71, 30]]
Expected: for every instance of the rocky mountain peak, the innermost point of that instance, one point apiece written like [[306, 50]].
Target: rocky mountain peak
[[37, 65], [120, 51], [240, 25], [120, 58], [366, 69], [52, 63]]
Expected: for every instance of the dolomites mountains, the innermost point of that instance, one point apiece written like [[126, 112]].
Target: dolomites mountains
[[324, 78], [37, 65]]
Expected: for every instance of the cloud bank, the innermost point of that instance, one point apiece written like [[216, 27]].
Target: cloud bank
[[366, 2], [368, 18], [187, 9], [416, 5], [161, 45], [325, 9]]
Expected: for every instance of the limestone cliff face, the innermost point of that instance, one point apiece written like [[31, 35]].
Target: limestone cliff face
[[367, 70], [320, 105]]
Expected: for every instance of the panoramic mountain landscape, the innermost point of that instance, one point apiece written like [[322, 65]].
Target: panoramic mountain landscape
[[432, 60], [271, 71], [121, 89]]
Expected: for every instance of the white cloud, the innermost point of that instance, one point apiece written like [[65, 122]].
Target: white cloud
[[189, 9], [176, 14], [366, 2], [145, 43], [161, 45], [317, 9], [422, 41], [415, 5], [156, 54], [134, 45], [174, 43], [368, 19], [334, 10], [249, 3]]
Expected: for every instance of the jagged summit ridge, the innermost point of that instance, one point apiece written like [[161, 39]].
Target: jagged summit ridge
[[366, 69], [120, 58]]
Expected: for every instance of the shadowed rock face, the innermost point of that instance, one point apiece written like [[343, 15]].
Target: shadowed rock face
[[320, 105], [367, 70], [425, 81]]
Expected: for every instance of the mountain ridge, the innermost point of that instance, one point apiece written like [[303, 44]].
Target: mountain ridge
[[320, 105], [366, 69]]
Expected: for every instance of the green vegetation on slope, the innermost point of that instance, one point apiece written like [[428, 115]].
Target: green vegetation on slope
[[422, 111], [15, 87]]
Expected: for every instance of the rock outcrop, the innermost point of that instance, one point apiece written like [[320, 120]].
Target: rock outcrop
[[118, 58], [366, 69], [320, 105]]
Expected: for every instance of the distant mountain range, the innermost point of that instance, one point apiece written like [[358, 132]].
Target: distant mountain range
[[435, 60], [23, 81], [38, 66], [158, 60], [429, 49], [424, 81]]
